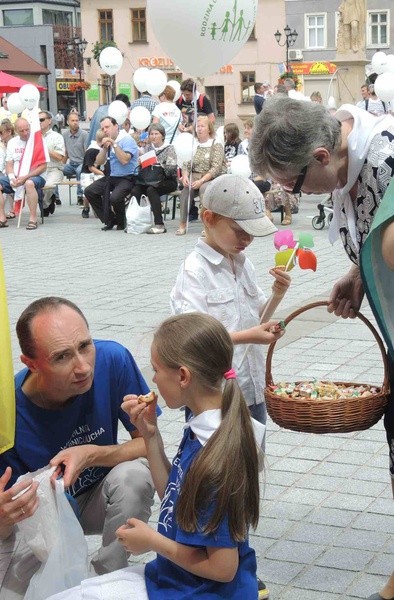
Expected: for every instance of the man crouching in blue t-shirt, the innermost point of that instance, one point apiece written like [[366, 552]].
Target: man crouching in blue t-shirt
[[67, 413]]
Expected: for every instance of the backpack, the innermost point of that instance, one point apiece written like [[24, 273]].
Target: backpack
[[367, 102], [200, 101]]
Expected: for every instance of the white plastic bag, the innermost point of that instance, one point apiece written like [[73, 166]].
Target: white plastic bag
[[138, 216], [67, 563]]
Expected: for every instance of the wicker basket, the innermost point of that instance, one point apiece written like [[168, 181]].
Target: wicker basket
[[339, 415]]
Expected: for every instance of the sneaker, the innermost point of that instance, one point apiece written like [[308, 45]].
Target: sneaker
[[85, 213], [157, 229], [262, 591], [56, 200]]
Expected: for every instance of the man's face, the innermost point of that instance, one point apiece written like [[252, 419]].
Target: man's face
[[109, 129], [64, 354], [364, 92], [23, 130], [73, 122], [45, 122], [188, 96]]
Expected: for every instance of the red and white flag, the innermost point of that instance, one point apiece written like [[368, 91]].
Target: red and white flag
[[148, 159], [35, 152]]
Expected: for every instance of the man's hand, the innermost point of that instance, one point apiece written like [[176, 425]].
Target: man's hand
[[14, 509], [107, 142], [347, 295], [136, 536], [71, 462]]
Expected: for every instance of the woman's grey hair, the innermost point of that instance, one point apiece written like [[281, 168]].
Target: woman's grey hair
[[157, 127], [286, 133]]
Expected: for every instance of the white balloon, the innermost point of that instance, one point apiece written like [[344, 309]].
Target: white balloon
[[15, 104], [378, 62], [184, 144], [202, 36], [220, 135], [384, 87], [110, 60], [240, 166], [118, 111], [177, 87], [139, 79], [156, 81], [140, 117], [388, 67], [29, 95]]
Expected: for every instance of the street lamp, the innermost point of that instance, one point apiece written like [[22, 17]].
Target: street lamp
[[291, 37], [77, 47]]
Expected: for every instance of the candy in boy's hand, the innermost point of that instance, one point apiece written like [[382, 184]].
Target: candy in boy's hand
[[278, 327]]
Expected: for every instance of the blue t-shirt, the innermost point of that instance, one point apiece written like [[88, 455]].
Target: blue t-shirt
[[164, 579], [128, 144], [91, 418]]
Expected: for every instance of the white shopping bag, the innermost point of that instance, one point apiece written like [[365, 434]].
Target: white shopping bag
[[138, 216]]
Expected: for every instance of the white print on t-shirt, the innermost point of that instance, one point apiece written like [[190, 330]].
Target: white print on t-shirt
[[83, 439], [167, 504]]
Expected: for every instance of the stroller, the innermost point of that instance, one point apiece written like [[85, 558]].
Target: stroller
[[325, 212]]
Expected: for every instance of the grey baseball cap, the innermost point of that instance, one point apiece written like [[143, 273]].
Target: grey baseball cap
[[238, 198]]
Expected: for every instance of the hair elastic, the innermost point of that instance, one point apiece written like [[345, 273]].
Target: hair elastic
[[231, 374]]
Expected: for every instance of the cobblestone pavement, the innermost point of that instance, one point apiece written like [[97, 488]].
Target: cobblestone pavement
[[327, 515]]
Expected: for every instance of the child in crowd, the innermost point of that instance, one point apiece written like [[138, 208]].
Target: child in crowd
[[231, 142], [210, 493], [90, 172], [217, 278]]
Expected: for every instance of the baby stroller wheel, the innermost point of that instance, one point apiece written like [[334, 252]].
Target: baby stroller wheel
[[318, 222]]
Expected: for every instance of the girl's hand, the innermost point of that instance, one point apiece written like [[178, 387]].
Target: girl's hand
[[135, 536], [143, 416], [281, 283]]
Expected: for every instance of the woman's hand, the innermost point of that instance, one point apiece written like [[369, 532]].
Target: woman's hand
[[135, 536], [347, 295], [143, 416], [281, 283], [14, 507], [197, 184], [185, 179]]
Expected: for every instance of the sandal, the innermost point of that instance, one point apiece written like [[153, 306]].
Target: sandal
[[11, 215], [180, 231], [286, 221], [31, 225], [3, 224]]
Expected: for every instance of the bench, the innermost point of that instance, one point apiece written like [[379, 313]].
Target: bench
[[70, 183]]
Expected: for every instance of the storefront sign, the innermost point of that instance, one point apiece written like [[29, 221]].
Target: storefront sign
[[69, 74], [124, 88], [63, 86], [93, 93], [156, 62], [226, 69], [313, 68]]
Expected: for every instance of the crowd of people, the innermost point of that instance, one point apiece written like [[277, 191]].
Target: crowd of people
[[208, 357]]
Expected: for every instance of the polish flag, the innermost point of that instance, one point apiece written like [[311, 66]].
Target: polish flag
[[35, 152], [148, 159]]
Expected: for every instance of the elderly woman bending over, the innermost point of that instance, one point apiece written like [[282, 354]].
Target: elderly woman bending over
[[208, 162]]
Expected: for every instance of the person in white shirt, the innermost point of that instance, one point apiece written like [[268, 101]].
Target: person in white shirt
[[217, 278], [57, 156], [167, 114]]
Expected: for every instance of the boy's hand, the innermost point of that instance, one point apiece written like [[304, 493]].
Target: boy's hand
[[282, 281], [266, 333]]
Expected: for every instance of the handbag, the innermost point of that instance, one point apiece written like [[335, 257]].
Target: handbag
[[153, 175], [138, 216]]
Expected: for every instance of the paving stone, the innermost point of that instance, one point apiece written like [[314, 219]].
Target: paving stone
[[295, 552], [324, 579], [344, 558]]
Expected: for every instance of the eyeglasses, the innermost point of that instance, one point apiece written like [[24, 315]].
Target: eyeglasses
[[43, 119], [300, 180]]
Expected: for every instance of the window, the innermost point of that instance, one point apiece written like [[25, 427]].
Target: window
[[23, 16], [106, 26], [378, 28], [178, 76], [248, 79], [138, 25], [56, 17], [315, 30]]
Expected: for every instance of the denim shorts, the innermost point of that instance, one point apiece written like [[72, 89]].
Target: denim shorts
[[38, 181]]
